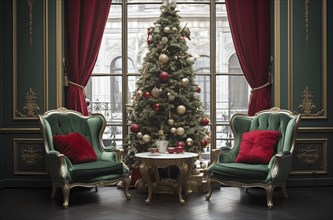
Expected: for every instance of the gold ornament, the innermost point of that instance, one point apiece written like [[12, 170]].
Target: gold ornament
[[139, 93], [163, 58], [173, 130], [146, 138], [180, 131], [181, 109], [171, 122], [185, 82], [174, 30], [189, 141], [171, 97]]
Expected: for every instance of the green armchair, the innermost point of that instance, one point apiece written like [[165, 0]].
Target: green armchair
[[75, 154], [246, 163]]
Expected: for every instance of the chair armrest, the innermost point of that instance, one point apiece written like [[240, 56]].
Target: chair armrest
[[281, 165], [113, 155], [222, 155], [57, 163]]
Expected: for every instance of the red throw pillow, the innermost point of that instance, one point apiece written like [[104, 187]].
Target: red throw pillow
[[257, 146], [75, 147]]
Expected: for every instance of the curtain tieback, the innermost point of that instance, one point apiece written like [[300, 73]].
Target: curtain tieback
[[75, 84], [269, 82], [261, 87]]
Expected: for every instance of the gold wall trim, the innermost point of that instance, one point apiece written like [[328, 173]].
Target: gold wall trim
[[59, 55], [277, 54], [324, 61], [310, 155], [15, 61], [316, 129], [290, 55], [19, 130]]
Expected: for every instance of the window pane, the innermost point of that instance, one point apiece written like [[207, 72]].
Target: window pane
[[204, 83], [112, 136], [140, 18], [111, 44], [224, 44], [196, 17], [224, 136], [106, 97]]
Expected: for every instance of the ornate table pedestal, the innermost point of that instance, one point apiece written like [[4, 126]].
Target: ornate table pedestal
[[183, 161]]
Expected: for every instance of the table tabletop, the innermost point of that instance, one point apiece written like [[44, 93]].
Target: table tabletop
[[166, 155]]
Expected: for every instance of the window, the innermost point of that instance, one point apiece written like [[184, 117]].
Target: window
[[224, 90]]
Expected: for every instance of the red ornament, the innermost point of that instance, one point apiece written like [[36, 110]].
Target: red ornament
[[164, 76], [157, 106], [135, 128], [204, 121], [180, 144], [198, 89], [149, 39], [147, 95], [203, 142]]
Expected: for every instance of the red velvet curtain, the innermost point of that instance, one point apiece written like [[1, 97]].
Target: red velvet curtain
[[250, 28], [85, 23]]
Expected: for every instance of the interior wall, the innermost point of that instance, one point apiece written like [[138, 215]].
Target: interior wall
[[31, 83]]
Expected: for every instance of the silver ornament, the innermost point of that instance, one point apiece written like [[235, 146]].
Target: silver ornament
[[166, 30], [190, 60], [164, 40], [139, 135]]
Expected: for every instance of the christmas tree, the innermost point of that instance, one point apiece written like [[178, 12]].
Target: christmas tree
[[166, 103]]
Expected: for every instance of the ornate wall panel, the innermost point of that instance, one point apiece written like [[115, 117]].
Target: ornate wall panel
[[30, 58], [29, 156], [310, 156], [307, 64]]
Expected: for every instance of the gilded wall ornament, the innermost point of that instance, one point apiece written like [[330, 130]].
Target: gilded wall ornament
[[309, 155], [31, 155], [31, 108], [307, 18], [307, 106], [30, 4]]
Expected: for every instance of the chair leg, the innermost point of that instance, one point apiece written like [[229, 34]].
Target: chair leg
[[269, 194], [65, 192], [209, 190], [126, 187]]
